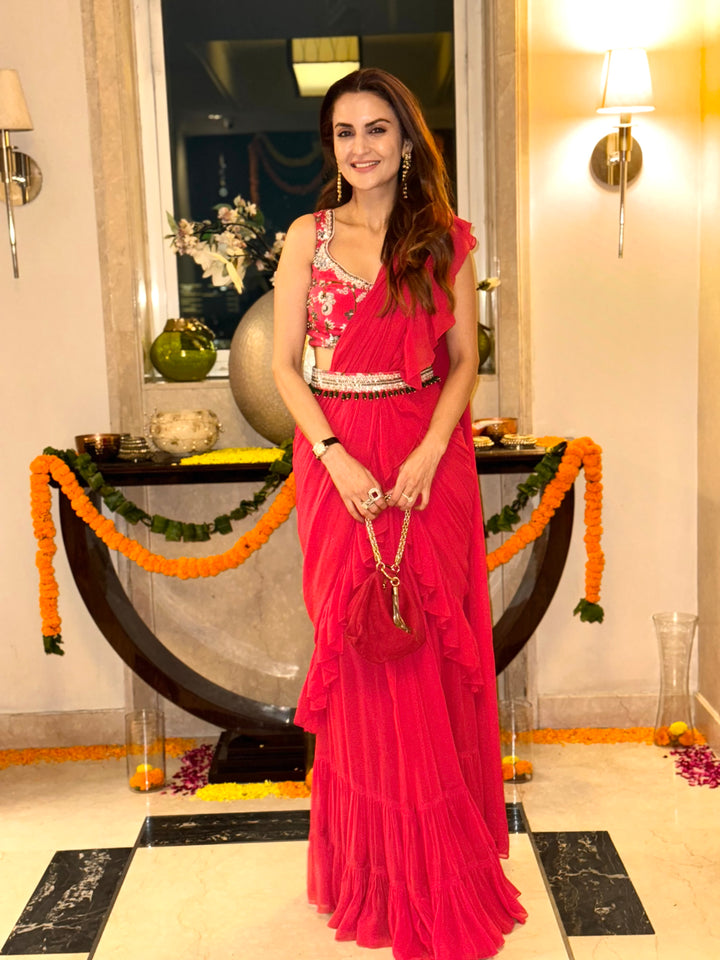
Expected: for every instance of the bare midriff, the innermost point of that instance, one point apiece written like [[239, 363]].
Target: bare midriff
[[323, 357]]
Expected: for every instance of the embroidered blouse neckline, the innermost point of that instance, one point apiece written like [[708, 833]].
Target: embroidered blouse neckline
[[368, 284]]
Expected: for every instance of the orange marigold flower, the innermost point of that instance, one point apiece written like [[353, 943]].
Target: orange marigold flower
[[662, 737], [45, 466]]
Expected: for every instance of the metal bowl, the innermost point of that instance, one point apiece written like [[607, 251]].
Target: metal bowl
[[101, 446], [497, 430]]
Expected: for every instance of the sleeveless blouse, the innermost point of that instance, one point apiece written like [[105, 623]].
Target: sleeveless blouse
[[334, 293]]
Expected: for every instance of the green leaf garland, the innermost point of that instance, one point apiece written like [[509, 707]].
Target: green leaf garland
[[544, 472], [88, 473]]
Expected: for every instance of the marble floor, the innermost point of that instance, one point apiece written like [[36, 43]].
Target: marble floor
[[617, 857]]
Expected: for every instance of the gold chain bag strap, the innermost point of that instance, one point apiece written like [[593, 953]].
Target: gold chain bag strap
[[384, 622]]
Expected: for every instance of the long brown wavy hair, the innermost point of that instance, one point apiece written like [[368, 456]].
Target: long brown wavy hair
[[419, 226]]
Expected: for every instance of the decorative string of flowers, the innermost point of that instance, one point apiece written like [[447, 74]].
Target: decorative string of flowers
[[544, 472], [46, 466], [280, 466], [584, 453], [226, 247]]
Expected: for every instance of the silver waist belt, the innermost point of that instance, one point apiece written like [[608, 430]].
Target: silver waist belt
[[364, 386]]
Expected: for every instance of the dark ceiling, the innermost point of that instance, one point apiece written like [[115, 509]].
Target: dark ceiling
[[230, 57]]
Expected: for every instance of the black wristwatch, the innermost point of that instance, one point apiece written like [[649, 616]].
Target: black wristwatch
[[320, 448]]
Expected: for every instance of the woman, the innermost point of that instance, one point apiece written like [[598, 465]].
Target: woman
[[408, 817]]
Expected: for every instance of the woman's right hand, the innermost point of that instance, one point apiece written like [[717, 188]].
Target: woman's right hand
[[353, 482]]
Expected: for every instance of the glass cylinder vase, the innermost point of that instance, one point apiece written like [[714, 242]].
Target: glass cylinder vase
[[516, 740], [145, 750], [674, 720]]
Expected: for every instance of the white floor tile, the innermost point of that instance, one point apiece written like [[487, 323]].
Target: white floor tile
[[247, 900]]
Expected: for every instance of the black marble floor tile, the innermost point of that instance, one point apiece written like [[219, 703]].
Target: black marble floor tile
[[208, 828], [177, 831], [591, 888], [516, 818], [69, 904]]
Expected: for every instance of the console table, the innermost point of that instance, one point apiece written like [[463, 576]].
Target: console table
[[249, 721]]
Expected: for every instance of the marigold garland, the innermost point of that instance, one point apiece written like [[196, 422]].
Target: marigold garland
[[584, 453], [46, 466], [279, 460]]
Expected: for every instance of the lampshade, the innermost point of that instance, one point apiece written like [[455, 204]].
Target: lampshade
[[13, 109], [627, 87], [319, 61]]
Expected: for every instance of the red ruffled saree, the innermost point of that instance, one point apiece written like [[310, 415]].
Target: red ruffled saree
[[408, 816]]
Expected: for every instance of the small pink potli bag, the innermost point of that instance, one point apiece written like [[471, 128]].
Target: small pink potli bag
[[377, 627]]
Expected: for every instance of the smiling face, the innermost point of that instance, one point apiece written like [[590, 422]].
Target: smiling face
[[368, 141]]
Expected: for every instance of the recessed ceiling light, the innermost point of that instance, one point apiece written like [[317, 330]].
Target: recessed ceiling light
[[319, 61]]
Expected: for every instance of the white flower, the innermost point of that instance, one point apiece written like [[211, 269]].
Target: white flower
[[226, 215], [226, 246]]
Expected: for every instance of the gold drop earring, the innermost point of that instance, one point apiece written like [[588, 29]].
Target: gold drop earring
[[405, 171], [339, 185]]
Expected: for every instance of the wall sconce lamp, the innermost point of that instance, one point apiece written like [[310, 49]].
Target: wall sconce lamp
[[318, 62], [627, 89], [21, 178]]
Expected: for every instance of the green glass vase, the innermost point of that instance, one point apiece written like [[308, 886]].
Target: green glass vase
[[184, 350], [485, 344]]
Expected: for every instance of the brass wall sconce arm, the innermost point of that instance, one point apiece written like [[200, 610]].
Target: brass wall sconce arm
[[617, 159], [20, 176]]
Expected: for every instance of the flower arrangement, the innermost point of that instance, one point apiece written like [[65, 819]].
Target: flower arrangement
[[516, 770], [146, 777], [226, 246], [677, 734]]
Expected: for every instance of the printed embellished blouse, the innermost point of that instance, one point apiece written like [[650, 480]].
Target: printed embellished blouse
[[334, 293]]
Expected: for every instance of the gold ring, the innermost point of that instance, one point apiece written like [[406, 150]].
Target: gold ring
[[409, 499], [367, 503], [374, 494]]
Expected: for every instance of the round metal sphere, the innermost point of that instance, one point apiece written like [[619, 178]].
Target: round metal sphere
[[250, 371]]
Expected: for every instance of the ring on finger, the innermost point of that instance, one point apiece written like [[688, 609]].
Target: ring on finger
[[409, 499], [374, 494], [368, 503]]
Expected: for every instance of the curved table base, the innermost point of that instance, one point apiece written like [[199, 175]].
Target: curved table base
[[116, 617], [537, 587], [129, 635]]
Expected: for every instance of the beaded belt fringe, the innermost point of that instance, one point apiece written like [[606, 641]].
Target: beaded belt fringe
[[364, 386]]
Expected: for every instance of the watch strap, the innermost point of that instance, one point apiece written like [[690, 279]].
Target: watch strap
[[320, 448]]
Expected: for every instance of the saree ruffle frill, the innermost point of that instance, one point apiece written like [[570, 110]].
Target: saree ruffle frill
[[408, 817]]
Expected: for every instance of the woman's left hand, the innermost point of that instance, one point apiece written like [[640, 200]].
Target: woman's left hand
[[415, 477]]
